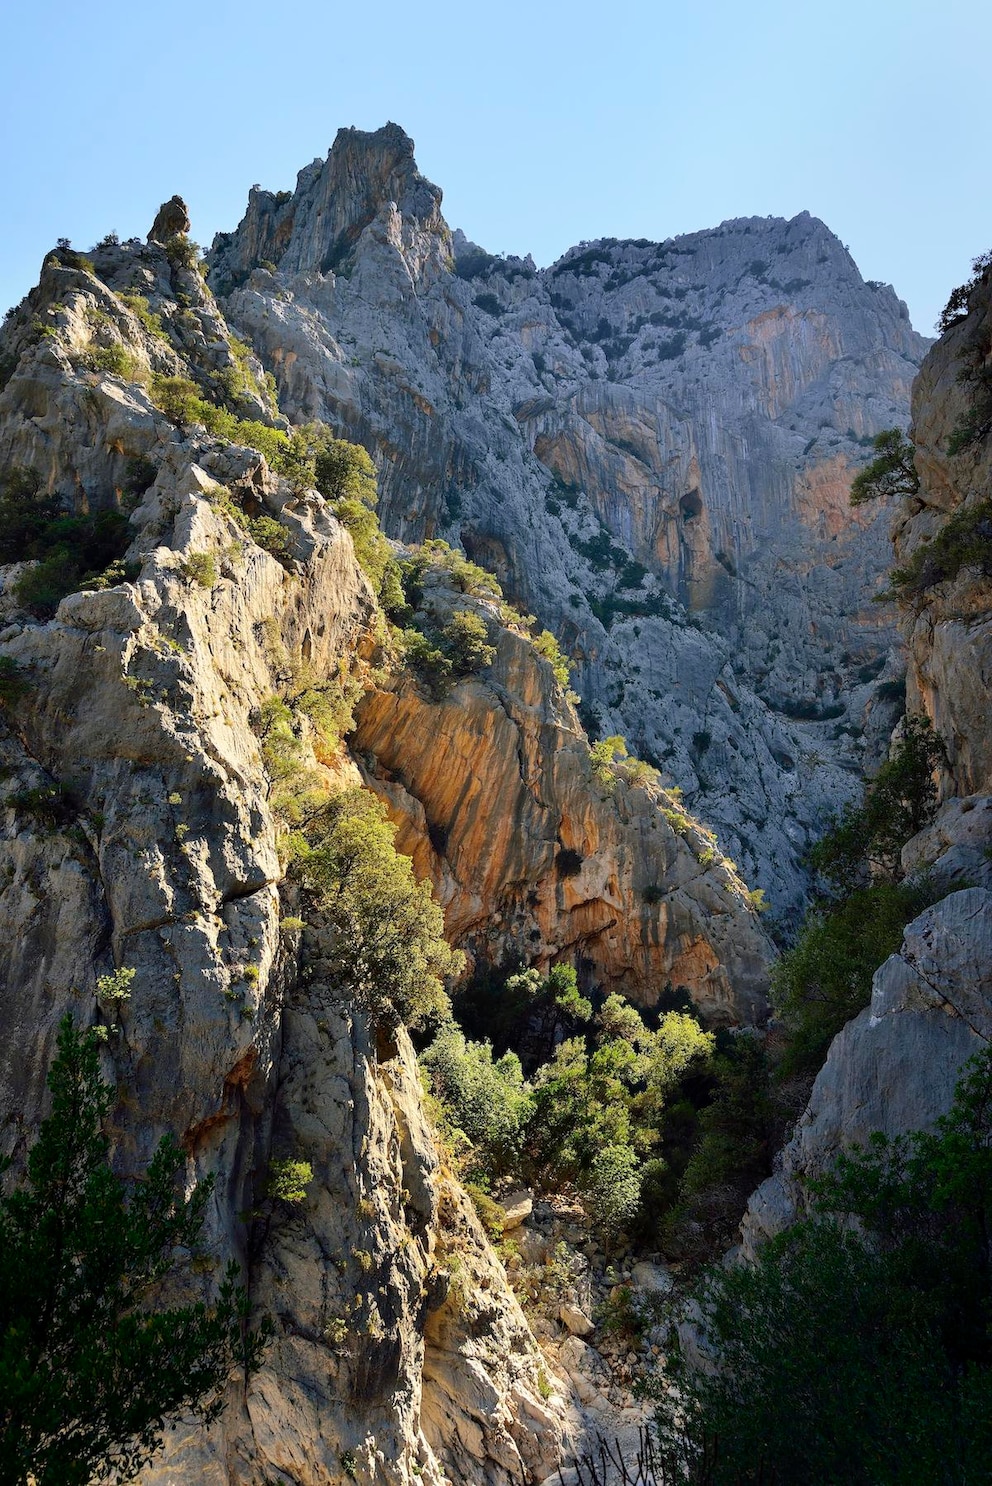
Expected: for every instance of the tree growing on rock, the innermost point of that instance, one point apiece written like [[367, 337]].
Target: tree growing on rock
[[94, 1359]]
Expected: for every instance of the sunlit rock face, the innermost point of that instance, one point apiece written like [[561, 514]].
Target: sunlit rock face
[[651, 444]]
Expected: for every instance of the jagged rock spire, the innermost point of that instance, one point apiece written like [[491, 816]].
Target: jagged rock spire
[[171, 219]]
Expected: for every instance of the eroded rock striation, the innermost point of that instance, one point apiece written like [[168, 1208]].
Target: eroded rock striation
[[651, 444]]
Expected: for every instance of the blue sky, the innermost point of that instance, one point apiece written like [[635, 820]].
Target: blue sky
[[544, 123]]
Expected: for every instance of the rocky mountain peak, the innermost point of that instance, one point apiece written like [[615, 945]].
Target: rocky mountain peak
[[650, 443], [368, 176]]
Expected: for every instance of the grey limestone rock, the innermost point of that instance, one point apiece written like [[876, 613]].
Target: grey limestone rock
[[651, 445]]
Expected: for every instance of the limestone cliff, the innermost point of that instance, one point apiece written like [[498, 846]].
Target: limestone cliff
[[650, 443], [138, 829], [894, 1067]]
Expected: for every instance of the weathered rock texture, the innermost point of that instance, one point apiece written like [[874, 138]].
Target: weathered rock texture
[[949, 630], [650, 443], [398, 1342], [894, 1067], [537, 860]]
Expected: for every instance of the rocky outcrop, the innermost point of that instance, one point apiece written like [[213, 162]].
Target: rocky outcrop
[[894, 1068], [171, 220], [650, 443], [536, 859], [948, 624], [137, 830]]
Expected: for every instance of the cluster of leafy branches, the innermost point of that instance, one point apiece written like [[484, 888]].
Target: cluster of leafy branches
[[612, 761], [825, 978], [589, 1114], [964, 541], [440, 654], [956, 308], [382, 942], [891, 473], [69, 551], [857, 1347], [93, 1359]]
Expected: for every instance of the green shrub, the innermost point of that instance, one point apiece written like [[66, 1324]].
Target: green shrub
[[825, 979], [466, 576], [384, 930], [71, 550], [117, 985], [117, 360], [440, 656], [964, 541], [605, 756], [490, 1213], [288, 1180], [867, 839], [268, 534], [854, 1351], [464, 639], [200, 568], [956, 307], [91, 1268], [545, 644], [614, 1189], [139, 307], [731, 1152], [481, 1098], [181, 401], [182, 252]]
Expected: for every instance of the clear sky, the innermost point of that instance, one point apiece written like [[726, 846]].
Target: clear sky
[[543, 122]]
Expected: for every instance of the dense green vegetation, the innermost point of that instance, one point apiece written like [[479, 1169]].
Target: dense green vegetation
[[93, 1361], [856, 1353], [70, 551], [825, 978], [382, 942], [589, 1115], [440, 654]]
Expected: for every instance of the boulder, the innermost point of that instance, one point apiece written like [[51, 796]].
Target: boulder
[[516, 1207], [576, 1321]]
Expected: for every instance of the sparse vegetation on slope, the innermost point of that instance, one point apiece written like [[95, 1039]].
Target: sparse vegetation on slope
[[825, 979]]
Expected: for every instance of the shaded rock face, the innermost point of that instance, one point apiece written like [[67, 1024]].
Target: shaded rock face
[[161, 854], [894, 1068], [536, 861], [949, 630], [650, 443]]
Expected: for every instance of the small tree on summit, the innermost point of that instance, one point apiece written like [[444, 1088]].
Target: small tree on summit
[[93, 1362]]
